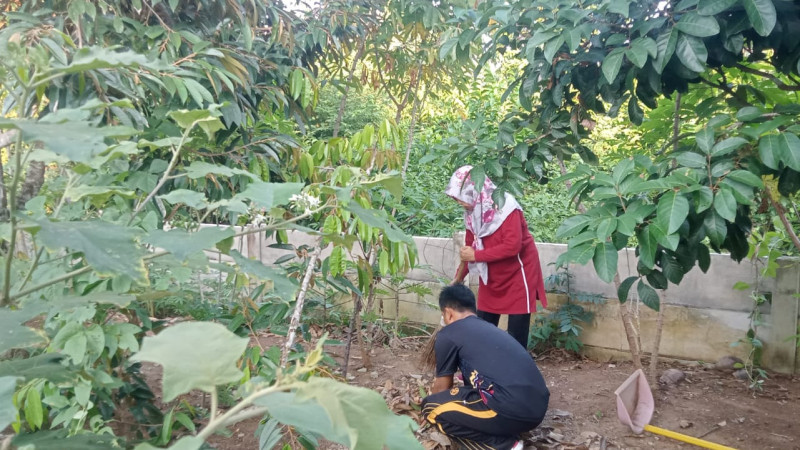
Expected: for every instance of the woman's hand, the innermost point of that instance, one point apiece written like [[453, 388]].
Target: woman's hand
[[467, 254]]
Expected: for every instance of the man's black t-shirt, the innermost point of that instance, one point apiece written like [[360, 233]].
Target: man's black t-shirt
[[492, 362]]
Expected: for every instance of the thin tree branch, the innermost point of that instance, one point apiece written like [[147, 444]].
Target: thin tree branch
[[175, 155], [7, 299], [722, 86], [563, 169], [673, 143], [782, 214], [298, 307], [383, 81], [778, 82], [676, 122], [343, 101], [412, 126]]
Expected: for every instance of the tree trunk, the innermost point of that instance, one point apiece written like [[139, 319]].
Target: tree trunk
[[634, 345], [676, 128], [657, 340], [362, 345], [349, 345], [6, 138], [298, 307], [34, 179], [343, 102]]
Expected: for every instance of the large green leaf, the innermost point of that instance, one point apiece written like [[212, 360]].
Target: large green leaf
[[637, 54], [194, 355], [8, 412], [270, 435], [305, 414], [268, 195], [624, 288], [791, 151], [284, 287], [692, 52], [184, 443], [202, 118], [673, 271], [79, 141], [552, 47], [656, 279], [666, 44], [648, 295], [780, 148], [60, 440], [666, 240], [771, 148], [572, 226], [762, 15], [192, 199], [728, 145], [714, 7], [200, 169], [99, 193], [705, 139], [183, 244], [725, 204], [447, 48], [580, 254], [93, 58], [46, 365], [673, 208], [393, 183], [647, 247], [691, 159], [14, 334], [635, 112], [612, 63], [704, 198], [347, 406], [697, 25], [746, 177], [373, 219], [716, 228], [110, 249], [621, 7], [605, 261], [81, 343], [605, 228], [749, 113]]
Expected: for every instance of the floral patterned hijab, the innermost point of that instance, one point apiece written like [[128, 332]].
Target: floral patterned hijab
[[484, 217]]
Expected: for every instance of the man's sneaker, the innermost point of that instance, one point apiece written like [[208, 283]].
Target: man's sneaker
[[517, 446]]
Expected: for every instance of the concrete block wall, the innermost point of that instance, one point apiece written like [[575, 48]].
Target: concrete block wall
[[704, 315]]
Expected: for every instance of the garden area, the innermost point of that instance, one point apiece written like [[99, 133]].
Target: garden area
[[223, 223]]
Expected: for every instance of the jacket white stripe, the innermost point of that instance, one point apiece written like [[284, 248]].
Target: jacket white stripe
[[525, 280]]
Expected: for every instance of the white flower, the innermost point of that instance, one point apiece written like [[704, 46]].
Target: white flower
[[304, 202]]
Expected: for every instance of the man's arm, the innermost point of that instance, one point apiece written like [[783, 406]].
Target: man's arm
[[442, 384]]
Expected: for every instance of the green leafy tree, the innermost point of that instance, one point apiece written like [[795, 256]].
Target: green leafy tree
[[124, 134], [605, 55]]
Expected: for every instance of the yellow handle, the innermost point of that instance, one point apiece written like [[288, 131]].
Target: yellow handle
[[685, 438]]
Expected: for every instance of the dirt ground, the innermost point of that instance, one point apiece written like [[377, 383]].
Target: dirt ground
[[710, 404]]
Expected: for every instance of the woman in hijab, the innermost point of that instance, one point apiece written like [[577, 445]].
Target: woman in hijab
[[501, 251]]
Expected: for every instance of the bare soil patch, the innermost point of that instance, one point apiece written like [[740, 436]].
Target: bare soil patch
[[582, 415]]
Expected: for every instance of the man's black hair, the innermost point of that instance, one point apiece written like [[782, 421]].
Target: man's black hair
[[457, 297]]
